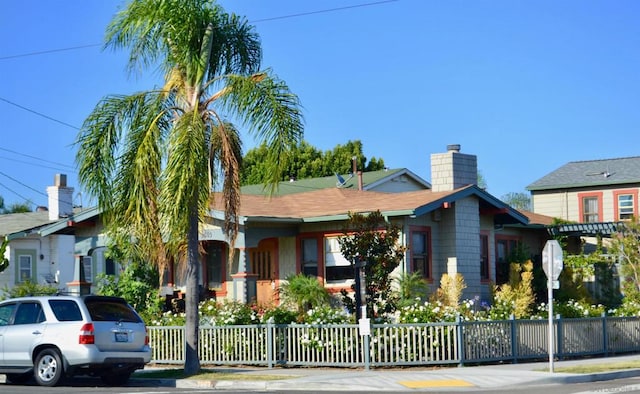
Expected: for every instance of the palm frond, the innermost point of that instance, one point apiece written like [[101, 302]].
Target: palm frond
[[271, 112], [226, 158]]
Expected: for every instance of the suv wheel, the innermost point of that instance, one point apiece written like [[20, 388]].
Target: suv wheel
[[48, 368]]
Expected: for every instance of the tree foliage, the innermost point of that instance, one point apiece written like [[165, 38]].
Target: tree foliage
[[520, 201], [307, 161], [515, 297], [371, 239], [625, 244], [137, 284], [152, 158], [18, 207], [303, 293], [4, 261]]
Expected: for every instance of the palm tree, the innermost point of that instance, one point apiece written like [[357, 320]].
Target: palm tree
[[152, 158]]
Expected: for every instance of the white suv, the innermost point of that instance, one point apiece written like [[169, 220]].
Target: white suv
[[53, 337]]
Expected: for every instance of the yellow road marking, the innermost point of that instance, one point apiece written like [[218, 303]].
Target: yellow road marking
[[419, 384]]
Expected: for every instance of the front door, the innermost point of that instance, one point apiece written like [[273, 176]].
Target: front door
[[264, 263]]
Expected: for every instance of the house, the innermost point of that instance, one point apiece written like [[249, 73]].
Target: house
[[58, 246], [593, 191], [448, 226], [452, 227], [593, 196]]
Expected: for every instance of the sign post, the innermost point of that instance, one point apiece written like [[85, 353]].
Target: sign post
[[552, 265]]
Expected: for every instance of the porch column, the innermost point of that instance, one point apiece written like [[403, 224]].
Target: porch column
[[244, 282], [79, 285]]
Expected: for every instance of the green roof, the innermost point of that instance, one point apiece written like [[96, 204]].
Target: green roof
[[350, 182]]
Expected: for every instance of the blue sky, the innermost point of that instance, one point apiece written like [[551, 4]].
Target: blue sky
[[527, 86]]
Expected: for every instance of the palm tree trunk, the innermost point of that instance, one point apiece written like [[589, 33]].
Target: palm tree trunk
[[192, 360]]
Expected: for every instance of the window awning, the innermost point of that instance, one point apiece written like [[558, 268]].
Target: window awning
[[604, 229]]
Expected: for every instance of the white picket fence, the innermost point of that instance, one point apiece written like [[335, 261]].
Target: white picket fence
[[342, 345]]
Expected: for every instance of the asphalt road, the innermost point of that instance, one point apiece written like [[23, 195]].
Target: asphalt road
[[81, 386]]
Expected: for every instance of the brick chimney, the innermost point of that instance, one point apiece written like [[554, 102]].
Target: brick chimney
[[60, 198], [452, 170]]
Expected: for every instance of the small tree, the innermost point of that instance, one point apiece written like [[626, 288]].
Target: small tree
[[304, 293], [451, 288], [411, 286], [515, 297], [373, 240], [626, 245]]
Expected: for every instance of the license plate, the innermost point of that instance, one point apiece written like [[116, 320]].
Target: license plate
[[122, 337]]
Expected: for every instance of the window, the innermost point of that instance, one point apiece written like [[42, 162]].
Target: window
[[87, 266], [506, 250], [110, 267], [420, 246], [484, 257], [6, 311], [337, 267], [262, 263], [214, 264], [65, 310], [29, 313], [590, 207], [309, 264], [626, 201], [24, 268]]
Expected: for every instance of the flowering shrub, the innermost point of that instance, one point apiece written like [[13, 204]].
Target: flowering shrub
[[326, 315], [169, 318], [627, 309], [427, 312], [569, 309], [225, 313]]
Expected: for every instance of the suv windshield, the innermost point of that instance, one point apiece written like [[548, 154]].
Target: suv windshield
[[105, 310]]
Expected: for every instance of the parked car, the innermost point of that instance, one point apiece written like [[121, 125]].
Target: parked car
[[54, 337]]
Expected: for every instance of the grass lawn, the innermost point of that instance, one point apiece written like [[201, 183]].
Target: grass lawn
[[595, 368]]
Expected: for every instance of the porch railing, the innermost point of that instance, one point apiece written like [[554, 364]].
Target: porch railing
[[341, 345]]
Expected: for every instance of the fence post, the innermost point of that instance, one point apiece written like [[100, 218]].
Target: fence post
[[514, 340], [367, 352], [270, 351], [559, 338], [605, 334], [460, 339]]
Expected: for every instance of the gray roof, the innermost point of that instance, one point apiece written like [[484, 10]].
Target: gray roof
[[21, 224], [592, 173], [16, 222]]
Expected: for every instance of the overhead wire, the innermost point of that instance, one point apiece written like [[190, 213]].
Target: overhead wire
[[36, 53]]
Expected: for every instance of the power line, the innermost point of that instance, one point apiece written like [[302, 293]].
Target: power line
[[320, 11], [36, 158], [22, 184], [16, 193], [255, 21], [39, 113], [37, 165], [49, 51]]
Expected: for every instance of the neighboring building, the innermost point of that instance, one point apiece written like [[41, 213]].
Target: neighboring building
[[60, 245], [592, 191], [388, 180]]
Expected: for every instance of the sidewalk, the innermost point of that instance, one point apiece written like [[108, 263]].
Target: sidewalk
[[413, 378]]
